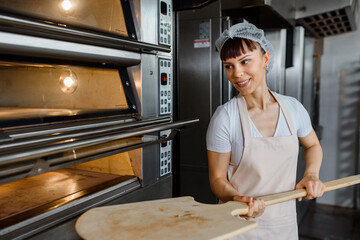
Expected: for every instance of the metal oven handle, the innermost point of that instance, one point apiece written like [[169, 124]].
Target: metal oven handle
[[42, 151]]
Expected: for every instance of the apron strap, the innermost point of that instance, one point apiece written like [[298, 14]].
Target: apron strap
[[286, 113], [244, 119]]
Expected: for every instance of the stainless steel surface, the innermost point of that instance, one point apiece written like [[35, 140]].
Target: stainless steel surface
[[309, 75], [200, 86], [57, 32], [294, 74], [149, 83], [17, 169], [276, 77], [88, 127], [282, 7], [306, 8], [263, 13], [35, 149], [340, 54], [322, 18], [59, 135], [348, 121], [326, 18], [149, 20], [29, 45], [41, 151]]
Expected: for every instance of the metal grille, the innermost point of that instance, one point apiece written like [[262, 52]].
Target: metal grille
[[329, 23]]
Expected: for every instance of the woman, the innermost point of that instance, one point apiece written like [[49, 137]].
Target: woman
[[252, 140]]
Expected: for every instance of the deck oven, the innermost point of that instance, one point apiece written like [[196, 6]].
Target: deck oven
[[86, 109]]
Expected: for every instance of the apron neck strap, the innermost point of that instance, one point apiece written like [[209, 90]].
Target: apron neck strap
[[244, 116], [285, 112]]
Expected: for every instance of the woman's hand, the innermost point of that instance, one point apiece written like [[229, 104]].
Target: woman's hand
[[256, 206], [314, 187]]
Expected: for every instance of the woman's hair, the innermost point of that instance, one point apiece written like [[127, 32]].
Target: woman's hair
[[234, 47]]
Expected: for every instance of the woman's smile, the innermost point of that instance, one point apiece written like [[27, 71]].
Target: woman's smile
[[243, 83]]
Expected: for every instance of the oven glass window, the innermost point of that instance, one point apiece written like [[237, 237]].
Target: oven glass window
[[41, 91], [34, 195], [100, 15]]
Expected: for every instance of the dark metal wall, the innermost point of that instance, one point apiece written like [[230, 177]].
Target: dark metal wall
[[199, 93]]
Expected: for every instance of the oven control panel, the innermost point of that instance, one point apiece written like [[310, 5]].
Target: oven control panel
[[165, 154], [165, 10], [165, 86]]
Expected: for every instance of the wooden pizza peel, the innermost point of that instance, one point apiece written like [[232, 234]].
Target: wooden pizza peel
[[180, 218]]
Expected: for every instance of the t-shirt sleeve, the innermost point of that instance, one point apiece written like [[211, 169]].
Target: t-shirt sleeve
[[218, 133], [303, 121]]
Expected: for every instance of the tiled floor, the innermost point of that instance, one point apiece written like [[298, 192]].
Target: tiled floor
[[323, 222]]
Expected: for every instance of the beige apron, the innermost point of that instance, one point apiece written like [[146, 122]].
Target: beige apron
[[268, 165]]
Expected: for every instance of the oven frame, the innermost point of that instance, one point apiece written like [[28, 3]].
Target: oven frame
[[24, 37]]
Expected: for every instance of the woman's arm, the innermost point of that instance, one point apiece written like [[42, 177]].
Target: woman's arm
[[222, 188], [313, 158]]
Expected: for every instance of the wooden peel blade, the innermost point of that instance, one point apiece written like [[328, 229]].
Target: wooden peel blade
[[180, 218]]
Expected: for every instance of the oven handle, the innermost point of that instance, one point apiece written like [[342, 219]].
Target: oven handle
[[52, 30], [42, 151], [74, 130], [66, 161]]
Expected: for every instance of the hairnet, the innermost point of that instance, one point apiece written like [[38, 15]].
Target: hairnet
[[248, 31]]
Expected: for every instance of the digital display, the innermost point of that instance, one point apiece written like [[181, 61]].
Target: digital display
[[163, 8], [163, 79]]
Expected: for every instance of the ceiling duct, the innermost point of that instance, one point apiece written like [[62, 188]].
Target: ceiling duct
[[326, 18]]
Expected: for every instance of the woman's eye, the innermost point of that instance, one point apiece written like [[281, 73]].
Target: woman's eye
[[228, 67], [245, 62]]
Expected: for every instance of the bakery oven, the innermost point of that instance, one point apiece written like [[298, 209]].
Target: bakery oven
[[86, 110]]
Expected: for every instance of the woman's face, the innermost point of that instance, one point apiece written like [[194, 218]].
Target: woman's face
[[247, 72]]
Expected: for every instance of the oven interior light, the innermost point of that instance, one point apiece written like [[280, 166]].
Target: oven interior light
[[68, 81], [67, 5]]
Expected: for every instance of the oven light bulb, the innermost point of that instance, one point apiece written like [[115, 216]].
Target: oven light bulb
[[68, 82], [67, 5]]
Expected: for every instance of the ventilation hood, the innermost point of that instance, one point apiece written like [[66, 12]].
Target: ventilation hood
[[320, 17], [265, 14], [326, 18]]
